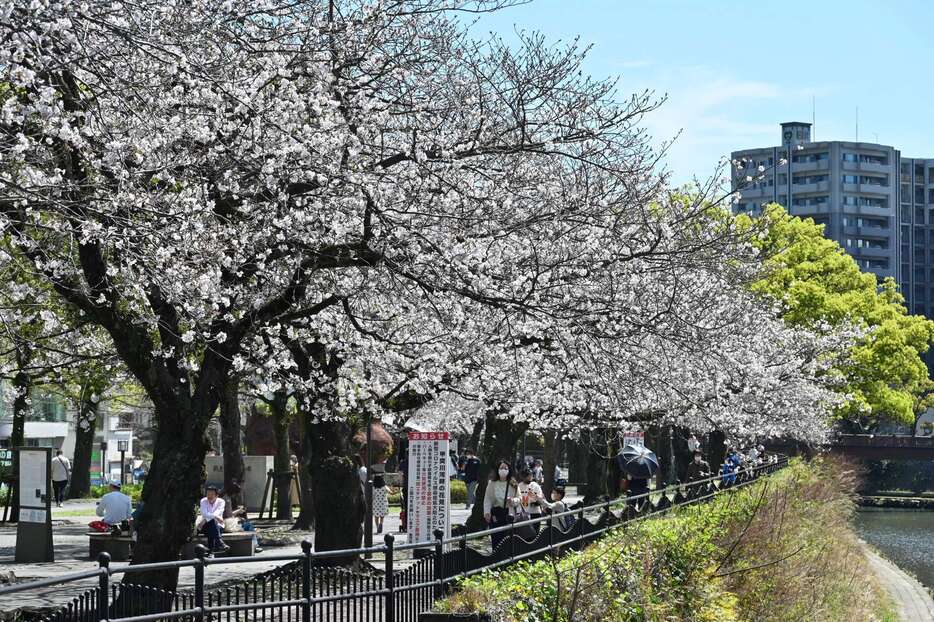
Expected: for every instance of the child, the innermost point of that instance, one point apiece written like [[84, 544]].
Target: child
[[558, 506]]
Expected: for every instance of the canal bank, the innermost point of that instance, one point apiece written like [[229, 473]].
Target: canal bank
[[905, 568], [911, 600]]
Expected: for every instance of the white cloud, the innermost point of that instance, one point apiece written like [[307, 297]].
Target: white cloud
[[713, 113]]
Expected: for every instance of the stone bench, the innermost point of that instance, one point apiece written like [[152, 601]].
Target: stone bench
[[119, 547], [240, 543]]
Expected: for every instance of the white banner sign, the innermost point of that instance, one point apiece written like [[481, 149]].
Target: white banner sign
[[429, 493], [634, 438]]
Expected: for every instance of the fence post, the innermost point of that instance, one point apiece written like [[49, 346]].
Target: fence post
[[306, 581], [103, 601], [390, 581], [200, 552], [580, 528], [439, 564]]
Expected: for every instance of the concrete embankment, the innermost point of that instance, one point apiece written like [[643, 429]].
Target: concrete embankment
[[912, 601]]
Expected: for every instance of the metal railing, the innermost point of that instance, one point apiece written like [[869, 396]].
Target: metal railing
[[310, 587]]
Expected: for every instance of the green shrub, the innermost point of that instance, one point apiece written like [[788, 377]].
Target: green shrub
[[458, 493], [133, 490], [717, 562]]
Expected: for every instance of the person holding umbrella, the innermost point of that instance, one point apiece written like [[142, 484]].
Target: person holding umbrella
[[639, 464]]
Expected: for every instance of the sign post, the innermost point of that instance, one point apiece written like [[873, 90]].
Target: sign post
[[34, 529], [429, 493]]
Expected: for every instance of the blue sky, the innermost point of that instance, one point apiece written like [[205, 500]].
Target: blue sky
[[734, 70]]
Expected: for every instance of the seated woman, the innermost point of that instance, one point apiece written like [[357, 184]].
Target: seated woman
[[212, 511]]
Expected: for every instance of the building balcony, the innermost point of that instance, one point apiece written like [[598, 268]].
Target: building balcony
[[757, 193], [885, 191], [868, 167], [821, 186], [803, 167]]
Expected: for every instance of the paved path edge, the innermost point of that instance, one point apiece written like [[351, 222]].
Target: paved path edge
[[912, 601]]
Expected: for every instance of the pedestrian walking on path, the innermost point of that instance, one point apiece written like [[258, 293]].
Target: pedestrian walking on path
[[500, 500], [380, 500], [61, 473]]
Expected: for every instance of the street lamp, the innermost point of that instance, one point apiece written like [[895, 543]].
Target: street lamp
[[122, 447]]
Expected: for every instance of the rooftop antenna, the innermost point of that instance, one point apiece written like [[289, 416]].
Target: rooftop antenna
[[857, 124], [813, 118], [876, 137]]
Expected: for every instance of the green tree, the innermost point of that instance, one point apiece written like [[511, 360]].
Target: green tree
[[818, 283]]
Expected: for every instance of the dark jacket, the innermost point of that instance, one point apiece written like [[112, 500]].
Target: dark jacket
[[472, 470], [698, 470]]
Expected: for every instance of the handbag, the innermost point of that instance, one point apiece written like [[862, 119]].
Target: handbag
[[501, 515]]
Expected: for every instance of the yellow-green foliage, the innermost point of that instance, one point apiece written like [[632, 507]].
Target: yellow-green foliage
[[778, 550], [817, 283]]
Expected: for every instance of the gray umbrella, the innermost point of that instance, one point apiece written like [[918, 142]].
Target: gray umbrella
[[638, 461]]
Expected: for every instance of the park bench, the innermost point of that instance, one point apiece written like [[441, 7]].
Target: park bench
[[119, 547], [240, 543]]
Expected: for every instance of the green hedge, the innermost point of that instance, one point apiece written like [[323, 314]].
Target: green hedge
[[133, 490], [458, 493]]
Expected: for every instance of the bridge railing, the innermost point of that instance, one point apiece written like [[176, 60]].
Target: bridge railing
[[310, 586]]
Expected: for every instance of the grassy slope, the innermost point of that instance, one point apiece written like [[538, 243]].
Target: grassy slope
[[780, 550]]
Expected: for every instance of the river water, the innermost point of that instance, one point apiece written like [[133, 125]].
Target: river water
[[904, 536]]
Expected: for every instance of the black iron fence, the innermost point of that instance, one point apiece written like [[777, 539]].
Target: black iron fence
[[308, 587]]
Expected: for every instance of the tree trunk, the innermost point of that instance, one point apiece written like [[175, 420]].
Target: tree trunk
[[231, 448], [281, 463], [170, 493], [174, 484], [595, 444], [552, 457], [306, 512], [337, 494], [22, 385], [500, 437], [474, 442], [85, 427]]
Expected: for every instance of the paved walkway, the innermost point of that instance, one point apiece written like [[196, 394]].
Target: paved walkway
[[911, 599], [71, 555]]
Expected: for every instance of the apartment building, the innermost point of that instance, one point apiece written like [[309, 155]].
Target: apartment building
[[876, 204]]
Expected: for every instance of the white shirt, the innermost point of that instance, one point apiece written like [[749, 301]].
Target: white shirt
[[531, 495], [496, 492], [115, 507], [213, 511], [693, 444], [61, 468]]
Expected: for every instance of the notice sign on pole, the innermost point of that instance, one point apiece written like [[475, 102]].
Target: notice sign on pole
[[634, 437], [429, 493], [34, 529]]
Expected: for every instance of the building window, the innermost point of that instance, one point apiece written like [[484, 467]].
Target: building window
[[849, 179], [873, 181], [850, 157]]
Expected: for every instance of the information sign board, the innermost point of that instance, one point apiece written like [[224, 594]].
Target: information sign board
[[634, 437], [34, 528], [429, 493]]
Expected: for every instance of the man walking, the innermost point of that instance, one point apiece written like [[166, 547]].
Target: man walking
[[61, 473], [471, 477]]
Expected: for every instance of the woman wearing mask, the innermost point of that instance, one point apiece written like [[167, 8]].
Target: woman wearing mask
[[500, 500], [531, 497]]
